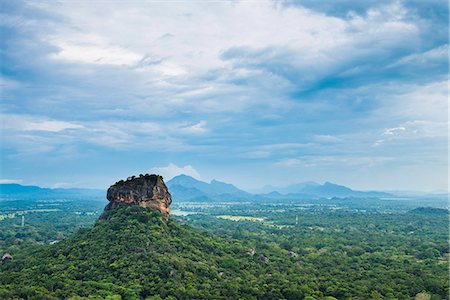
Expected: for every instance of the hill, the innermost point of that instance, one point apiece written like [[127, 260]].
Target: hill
[[313, 189], [186, 188], [11, 191], [134, 254], [429, 211], [183, 187]]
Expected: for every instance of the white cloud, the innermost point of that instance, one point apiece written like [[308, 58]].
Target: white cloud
[[417, 101], [288, 163], [285, 146], [29, 123], [31, 134], [394, 131], [414, 130], [154, 77], [173, 170], [197, 128], [420, 112], [435, 54], [93, 49], [378, 143], [8, 84], [283, 149], [326, 138], [97, 55], [333, 161], [6, 181], [175, 45]]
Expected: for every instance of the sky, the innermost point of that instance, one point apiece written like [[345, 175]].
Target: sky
[[252, 93]]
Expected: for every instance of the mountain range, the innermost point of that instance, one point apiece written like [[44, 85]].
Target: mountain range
[[17, 191], [326, 190], [184, 187], [187, 188]]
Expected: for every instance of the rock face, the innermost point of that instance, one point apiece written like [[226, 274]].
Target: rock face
[[7, 257], [145, 190]]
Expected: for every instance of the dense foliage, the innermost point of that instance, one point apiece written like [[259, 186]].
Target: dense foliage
[[327, 255], [44, 221]]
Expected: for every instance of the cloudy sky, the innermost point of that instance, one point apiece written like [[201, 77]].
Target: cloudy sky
[[248, 92]]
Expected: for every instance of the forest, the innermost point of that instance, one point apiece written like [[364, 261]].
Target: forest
[[226, 251]]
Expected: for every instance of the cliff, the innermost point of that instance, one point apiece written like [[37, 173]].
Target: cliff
[[145, 191]]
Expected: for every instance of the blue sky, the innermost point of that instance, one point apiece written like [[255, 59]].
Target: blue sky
[[252, 93]]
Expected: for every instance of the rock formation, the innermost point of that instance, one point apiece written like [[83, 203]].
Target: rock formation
[[7, 257], [145, 190]]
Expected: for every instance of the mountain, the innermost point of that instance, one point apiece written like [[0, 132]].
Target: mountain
[[11, 191], [313, 189], [186, 188], [14, 188], [289, 189], [328, 189], [145, 191], [183, 187]]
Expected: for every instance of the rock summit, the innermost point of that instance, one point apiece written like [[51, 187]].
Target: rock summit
[[144, 190]]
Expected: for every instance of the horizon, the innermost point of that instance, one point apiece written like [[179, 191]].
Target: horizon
[[275, 93], [258, 190]]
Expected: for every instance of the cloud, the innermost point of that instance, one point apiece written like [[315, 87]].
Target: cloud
[[172, 170], [420, 101], [95, 54], [28, 123], [7, 181], [28, 133], [7, 83], [331, 51], [272, 81], [416, 131], [288, 163], [326, 138], [438, 54], [394, 131], [423, 112], [308, 162], [197, 128], [276, 150]]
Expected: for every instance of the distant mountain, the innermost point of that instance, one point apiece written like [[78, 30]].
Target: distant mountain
[[186, 188], [183, 187], [290, 189], [14, 188], [328, 189], [18, 191], [314, 189]]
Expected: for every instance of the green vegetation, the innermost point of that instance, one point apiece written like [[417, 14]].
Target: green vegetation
[[45, 221], [42, 227], [327, 254], [141, 176], [429, 211]]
